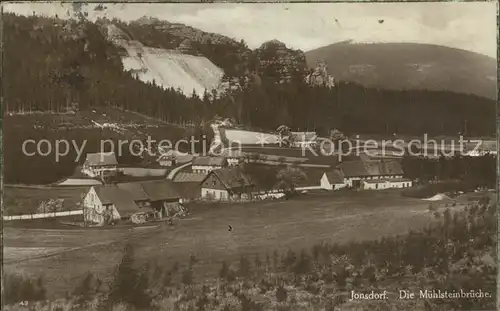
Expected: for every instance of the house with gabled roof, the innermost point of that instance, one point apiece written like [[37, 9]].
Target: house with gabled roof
[[373, 174], [381, 184], [332, 180], [100, 164], [204, 165], [188, 185], [227, 184], [137, 202], [108, 204]]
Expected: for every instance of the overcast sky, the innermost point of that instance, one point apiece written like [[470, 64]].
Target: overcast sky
[[466, 25]]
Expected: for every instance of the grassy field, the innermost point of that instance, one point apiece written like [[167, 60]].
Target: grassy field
[[258, 228]]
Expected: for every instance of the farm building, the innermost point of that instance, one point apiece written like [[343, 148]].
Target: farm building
[[226, 184], [205, 165], [311, 180], [332, 180], [100, 164], [167, 160], [137, 202], [188, 185], [101, 205], [303, 139], [233, 157], [381, 184], [355, 172]]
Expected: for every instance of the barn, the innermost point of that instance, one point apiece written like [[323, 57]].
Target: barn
[[135, 202], [226, 184], [100, 164], [204, 165]]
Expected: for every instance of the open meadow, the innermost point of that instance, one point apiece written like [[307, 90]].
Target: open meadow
[[258, 228]]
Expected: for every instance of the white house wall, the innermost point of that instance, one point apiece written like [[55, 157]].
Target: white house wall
[[325, 183], [94, 171], [94, 210], [215, 194], [233, 161], [309, 188], [205, 168], [400, 184], [386, 185]]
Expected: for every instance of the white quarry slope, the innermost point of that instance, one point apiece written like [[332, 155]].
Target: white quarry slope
[[167, 68]]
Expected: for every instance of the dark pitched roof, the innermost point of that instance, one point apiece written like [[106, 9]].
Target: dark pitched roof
[[392, 167], [353, 169], [335, 177], [371, 168], [160, 190], [209, 161], [182, 177], [313, 177], [121, 199], [232, 177], [135, 189], [102, 158], [189, 190]]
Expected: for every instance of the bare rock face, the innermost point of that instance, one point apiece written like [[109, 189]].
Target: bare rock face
[[186, 47], [277, 62], [319, 76]]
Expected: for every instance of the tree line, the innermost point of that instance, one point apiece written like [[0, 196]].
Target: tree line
[[54, 63]]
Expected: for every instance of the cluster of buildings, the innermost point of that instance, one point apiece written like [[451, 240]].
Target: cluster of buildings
[[366, 174], [222, 179], [137, 202]]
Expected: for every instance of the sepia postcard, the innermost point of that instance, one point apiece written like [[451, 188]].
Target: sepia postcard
[[249, 156]]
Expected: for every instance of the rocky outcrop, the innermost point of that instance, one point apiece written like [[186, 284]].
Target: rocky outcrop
[[184, 31], [319, 76], [186, 47], [278, 63]]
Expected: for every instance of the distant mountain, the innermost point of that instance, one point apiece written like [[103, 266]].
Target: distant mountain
[[409, 66]]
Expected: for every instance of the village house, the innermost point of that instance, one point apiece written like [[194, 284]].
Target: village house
[[381, 184], [100, 164], [188, 185], [204, 165], [312, 180], [167, 160], [373, 174], [107, 204], [332, 180], [135, 202], [234, 157], [162, 196], [226, 184], [303, 139]]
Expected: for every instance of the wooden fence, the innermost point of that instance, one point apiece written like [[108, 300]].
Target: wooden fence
[[43, 215]]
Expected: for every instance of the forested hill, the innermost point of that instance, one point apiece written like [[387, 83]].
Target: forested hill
[[50, 64], [410, 66]]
